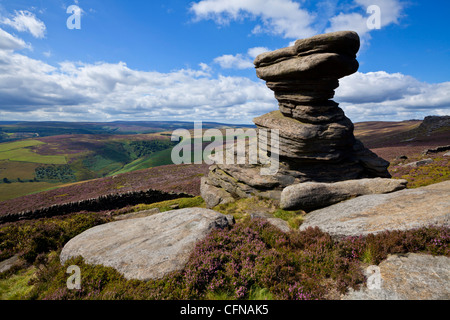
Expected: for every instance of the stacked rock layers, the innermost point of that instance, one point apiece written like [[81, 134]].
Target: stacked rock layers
[[316, 140]]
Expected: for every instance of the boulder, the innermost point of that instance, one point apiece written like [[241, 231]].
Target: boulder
[[314, 195], [408, 277], [146, 248], [9, 263], [401, 210], [419, 163]]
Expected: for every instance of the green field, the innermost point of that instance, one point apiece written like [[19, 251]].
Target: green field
[[18, 151], [26, 155], [15, 190], [159, 158], [19, 145]]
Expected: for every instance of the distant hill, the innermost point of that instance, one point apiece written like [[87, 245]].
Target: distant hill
[[36, 156], [392, 139], [10, 130]]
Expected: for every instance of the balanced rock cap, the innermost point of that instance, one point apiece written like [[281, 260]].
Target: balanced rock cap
[[331, 55], [342, 42]]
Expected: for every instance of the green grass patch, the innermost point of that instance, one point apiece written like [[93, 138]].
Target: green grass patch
[[259, 294], [17, 286], [17, 189], [196, 202], [293, 218], [19, 145], [14, 170], [243, 208], [26, 155]]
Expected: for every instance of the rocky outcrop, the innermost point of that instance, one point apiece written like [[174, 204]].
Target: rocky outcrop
[[408, 277], [146, 248], [316, 139], [432, 123], [436, 150], [314, 195], [401, 210]]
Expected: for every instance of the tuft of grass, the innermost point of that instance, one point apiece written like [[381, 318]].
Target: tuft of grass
[[257, 293], [217, 296], [367, 257]]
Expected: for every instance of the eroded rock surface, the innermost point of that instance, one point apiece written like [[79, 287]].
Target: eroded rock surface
[[315, 195], [401, 210], [316, 140], [409, 277], [146, 248]]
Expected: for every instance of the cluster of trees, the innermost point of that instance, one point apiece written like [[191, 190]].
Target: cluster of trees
[[6, 180], [144, 148], [59, 173]]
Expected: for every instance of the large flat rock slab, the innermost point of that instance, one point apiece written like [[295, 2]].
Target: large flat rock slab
[[401, 210], [146, 248], [408, 277]]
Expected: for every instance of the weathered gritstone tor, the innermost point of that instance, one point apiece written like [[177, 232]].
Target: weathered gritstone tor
[[316, 139]]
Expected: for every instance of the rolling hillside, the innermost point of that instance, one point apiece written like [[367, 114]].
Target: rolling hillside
[[44, 155], [122, 163]]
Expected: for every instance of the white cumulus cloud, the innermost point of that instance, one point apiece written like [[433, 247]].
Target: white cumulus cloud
[[26, 21], [280, 17], [384, 96], [10, 42], [238, 61], [290, 19]]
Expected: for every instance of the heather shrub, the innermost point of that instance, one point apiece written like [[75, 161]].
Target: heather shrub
[[373, 249], [251, 260], [435, 172], [32, 239]]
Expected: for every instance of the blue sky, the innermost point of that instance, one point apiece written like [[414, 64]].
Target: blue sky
[[192, 60]]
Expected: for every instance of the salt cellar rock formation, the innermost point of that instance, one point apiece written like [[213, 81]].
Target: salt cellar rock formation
[[316, 140]]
